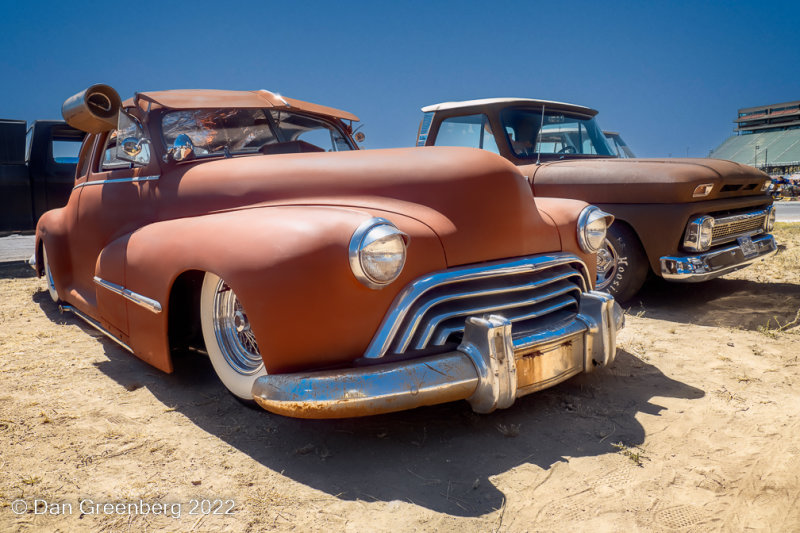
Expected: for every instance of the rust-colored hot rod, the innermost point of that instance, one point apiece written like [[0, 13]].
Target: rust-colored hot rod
[[321, 280]]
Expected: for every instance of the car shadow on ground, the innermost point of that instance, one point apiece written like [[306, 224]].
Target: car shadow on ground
[[731, 303], [442, 457], [16, 269]]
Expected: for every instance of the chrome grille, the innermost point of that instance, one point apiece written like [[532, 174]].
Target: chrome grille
[[729, 228], [531, 292]]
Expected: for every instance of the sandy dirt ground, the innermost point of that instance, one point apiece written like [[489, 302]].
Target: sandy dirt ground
[[696, 427]]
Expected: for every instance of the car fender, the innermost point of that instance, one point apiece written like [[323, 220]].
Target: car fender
[[296, 255]]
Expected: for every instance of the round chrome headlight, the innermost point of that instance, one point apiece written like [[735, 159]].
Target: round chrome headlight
[[377, 252], [769, 220], [592, 226]]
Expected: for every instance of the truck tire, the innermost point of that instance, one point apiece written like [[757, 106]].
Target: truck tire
[[230, 344], [621, 264]]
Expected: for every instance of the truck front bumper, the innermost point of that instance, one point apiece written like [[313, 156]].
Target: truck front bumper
[[715, 263], [489, 369]]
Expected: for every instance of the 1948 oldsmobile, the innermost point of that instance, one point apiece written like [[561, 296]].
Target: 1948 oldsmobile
[[321, 280], [681, 219]]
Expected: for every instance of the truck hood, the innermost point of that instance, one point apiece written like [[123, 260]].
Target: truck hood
[[478, 204], [658, 181]]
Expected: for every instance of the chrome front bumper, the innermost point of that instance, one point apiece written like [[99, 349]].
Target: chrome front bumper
[[490, 369], [715, 263]]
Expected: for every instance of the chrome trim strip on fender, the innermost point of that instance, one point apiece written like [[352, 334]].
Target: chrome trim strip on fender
[[96, 325], [120, 180], [143, 301]]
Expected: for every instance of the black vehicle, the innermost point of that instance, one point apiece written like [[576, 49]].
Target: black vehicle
[[37, 170]]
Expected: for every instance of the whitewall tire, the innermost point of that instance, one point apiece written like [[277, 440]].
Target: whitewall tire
[[230, 343], [48, 277]]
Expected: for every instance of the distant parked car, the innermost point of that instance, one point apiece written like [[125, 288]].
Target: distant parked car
[[618, 145], [322, 281]]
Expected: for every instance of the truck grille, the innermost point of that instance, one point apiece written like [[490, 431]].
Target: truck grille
[[532, 293], [729, 228]]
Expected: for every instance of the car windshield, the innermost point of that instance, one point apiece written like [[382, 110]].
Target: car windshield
[[250, 131], [560, 133]]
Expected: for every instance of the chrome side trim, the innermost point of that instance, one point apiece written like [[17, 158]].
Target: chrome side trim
[[403, 303], [120, 180], [96, 325], [716, 263], [143, 301]]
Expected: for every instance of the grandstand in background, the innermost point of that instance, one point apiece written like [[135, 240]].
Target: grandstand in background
[[767, 137]]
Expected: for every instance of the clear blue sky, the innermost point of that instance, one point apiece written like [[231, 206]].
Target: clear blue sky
[[668, 75]]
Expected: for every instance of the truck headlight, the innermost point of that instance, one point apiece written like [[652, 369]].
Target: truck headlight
[[592, 226], [769, 220], [699, 233], [377, 252]]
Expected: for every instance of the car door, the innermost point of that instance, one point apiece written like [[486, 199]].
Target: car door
[[115, 200]]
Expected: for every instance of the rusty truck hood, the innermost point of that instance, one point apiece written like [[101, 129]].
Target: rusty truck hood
[[479, 205], [658, 181]]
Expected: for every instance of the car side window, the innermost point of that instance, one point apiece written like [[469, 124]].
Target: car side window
[[84, 157], [471, 131], [110, 160]]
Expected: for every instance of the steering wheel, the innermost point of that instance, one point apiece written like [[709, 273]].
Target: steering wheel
[[568, 150]]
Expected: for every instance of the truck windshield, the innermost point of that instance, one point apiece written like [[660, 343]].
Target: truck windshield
[[250, 131], [559, 133]]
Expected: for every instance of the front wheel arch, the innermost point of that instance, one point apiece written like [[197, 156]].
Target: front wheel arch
[[628, 267], [228, 339]]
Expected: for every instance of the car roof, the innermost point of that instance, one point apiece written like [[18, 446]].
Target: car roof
[[212, 98], [507, 102]]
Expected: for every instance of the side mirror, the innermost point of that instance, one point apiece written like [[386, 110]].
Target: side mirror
[[135, 146], [359, 137], [182, 149]]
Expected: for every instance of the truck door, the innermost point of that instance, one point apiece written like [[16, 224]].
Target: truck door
[[15, 189], [52, 159]]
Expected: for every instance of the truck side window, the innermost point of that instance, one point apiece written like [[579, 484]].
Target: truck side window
[[472, 131], [110, 160], [66, 150]]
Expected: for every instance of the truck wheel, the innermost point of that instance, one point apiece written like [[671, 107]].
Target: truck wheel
[[230, 343], [48, 277], [621, 263]]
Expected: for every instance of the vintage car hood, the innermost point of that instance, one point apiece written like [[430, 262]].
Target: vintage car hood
[[478, 204], [644, 180]]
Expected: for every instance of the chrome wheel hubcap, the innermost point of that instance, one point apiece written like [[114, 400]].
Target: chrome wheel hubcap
[[606, 265], [233, 332]]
